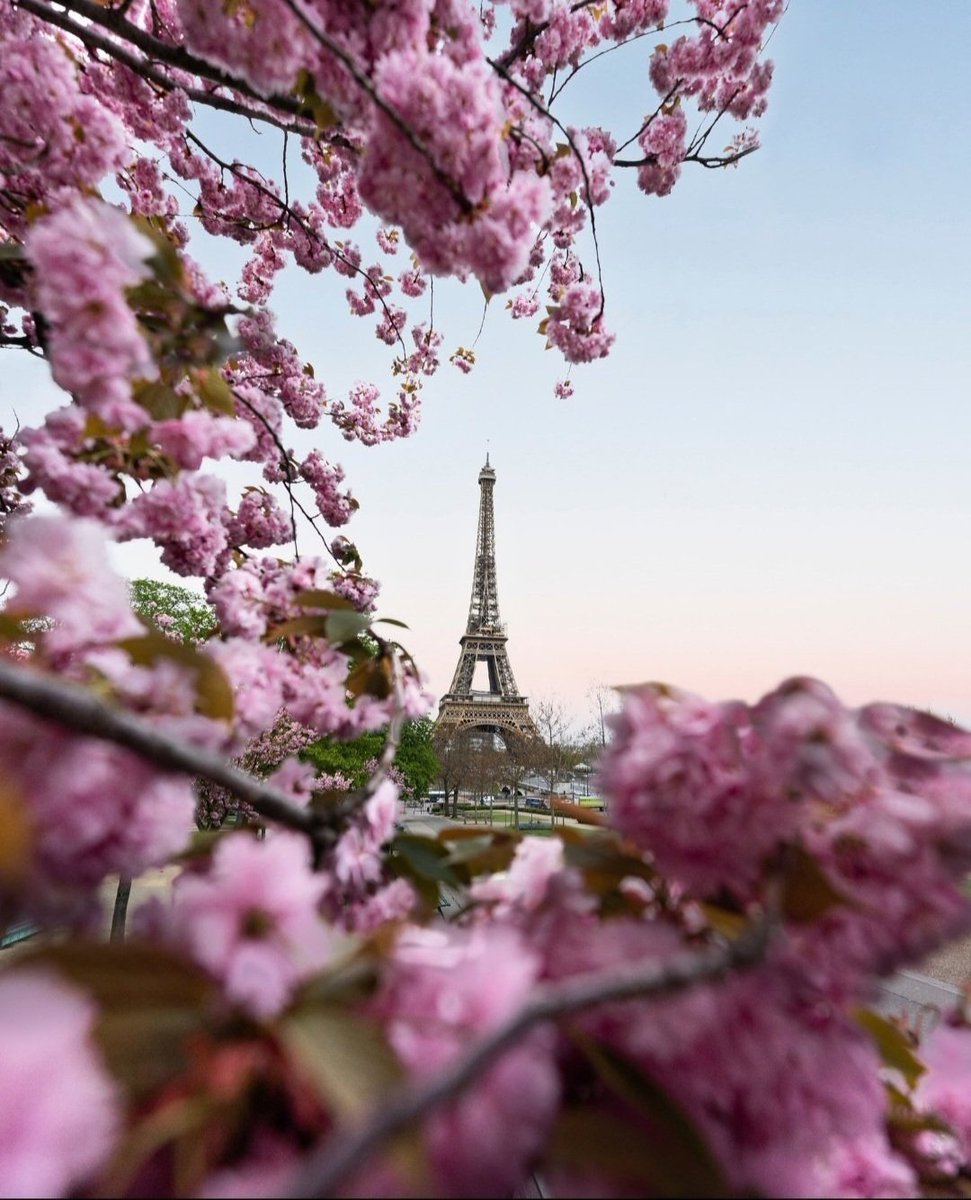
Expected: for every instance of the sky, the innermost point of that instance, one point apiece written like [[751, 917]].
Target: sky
[[769, 474]]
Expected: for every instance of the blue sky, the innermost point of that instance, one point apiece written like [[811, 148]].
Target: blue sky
[[769, 475]]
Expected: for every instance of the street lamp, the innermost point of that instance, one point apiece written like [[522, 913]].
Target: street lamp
[[584, 770]]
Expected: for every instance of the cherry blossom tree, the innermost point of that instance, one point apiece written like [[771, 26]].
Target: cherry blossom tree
[[679, 1002]]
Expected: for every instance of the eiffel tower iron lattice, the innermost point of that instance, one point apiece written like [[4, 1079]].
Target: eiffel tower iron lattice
[[501, 710]]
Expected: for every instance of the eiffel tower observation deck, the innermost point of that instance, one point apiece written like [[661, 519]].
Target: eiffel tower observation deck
[[500, 710]]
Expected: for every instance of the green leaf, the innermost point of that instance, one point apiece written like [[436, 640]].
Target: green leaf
[[673, 1153], [318, 598], [484, 855], [353, 1070], [166, 262], [348, 981], [201, 845], [14, 629], [806, 890], [16, 840], [729, 924], [603, 859], [214, 696], [617, 1151], [324, 115], [391, 621], [343, 1055], [895, 1049], [215, 393], [494, 858], [373, 676], [160, 401], [427, 858], [342, 626], [311, 624], [424, 863]]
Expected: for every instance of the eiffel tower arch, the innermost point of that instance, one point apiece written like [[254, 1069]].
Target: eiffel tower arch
[[501, 710]]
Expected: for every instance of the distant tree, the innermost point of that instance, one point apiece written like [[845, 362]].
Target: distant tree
[[454, 751], [415, 758], [558, 753], [604, 700], [215, 806], [523, 756], [173, 610]]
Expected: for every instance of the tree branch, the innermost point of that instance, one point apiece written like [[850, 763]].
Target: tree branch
[[164, 52], [147, 70], [76, 708], [726, 160], [324, 1169]]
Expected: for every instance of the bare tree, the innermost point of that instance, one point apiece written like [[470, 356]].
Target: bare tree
[[522, 756], [559, 753], [604, 700], [460, 760]]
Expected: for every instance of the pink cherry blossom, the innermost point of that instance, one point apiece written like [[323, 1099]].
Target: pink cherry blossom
[[59, 568], [251, 919], [442, 990], [945, 1088], [94, 809], [84, 256], [681, 777], [59, 1109]]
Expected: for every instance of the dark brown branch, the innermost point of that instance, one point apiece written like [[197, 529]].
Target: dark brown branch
[[156, 48], [76, 708], [726, 160], [287, 466], [146, 70], [666, 100], [347, 1149], [19, 342]]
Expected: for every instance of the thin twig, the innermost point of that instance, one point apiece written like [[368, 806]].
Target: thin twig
[[726, 160], [292, 217], [588, 197], [324, 1169], [365, 84]]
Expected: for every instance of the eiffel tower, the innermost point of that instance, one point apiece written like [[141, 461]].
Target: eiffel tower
[[500, 711]]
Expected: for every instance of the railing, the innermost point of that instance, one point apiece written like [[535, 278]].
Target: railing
[[20, 931]]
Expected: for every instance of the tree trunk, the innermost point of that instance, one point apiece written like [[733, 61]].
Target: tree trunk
[[120, 914]]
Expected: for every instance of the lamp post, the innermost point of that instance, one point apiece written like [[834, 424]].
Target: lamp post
[[584, 770]]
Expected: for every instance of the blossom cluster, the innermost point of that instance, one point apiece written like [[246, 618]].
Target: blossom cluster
[[778, 1084], [287, 984]]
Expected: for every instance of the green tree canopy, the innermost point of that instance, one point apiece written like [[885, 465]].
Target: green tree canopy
[[415, 759], [184, 612]]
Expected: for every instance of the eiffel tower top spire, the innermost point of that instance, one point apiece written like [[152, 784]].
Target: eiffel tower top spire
[[484, 605], [501, 709]]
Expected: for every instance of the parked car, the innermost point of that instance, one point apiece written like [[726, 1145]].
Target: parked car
[[535, 802]]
